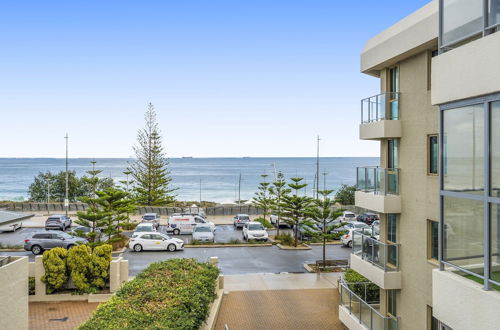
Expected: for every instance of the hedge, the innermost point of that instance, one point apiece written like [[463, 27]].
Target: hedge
[[172, 294], [371, 290], [54, 262]]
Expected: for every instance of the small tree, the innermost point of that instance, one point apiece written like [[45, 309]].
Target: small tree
[[262, 199], [54, 262], [92, 183], [278, 190], [322, 213], [150, 169], [345, 195], [296, 208], [116, 206], [94, 218]]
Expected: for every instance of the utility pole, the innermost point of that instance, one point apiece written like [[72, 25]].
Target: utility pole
[[317, 167], [275, 174], [66, 200], [239, 190], [324, 178], [200, 192]]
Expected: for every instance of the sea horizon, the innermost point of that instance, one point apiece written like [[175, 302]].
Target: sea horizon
[[219, 175]]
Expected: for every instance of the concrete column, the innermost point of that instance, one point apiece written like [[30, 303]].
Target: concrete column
[[40, 289], [114, 275], [214, 261], [123, 271]]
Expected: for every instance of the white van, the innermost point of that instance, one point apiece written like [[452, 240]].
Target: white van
[[184, 224]]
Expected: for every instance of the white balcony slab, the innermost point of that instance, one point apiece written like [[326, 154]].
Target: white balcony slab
[[382, 129], [378, 202], [385, 280]]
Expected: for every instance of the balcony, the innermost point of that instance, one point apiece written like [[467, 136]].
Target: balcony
[[380, 117], [461, 303], [377, 261], [378, 189], [362, 313]]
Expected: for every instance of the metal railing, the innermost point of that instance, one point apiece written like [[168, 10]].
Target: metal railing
[[365, 311], [383, 106], [378, 180], [382, 255]]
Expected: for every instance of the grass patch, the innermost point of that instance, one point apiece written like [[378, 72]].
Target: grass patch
[[172, 294], [8, 246], [495, 277]]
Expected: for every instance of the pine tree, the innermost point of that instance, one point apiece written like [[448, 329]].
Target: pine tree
[[278, 190], [296, 208], [152, 181], [322, 213], [262, 199]]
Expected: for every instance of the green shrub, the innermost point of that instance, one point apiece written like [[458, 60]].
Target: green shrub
[[172, 294], [99, 266], [285, 239], [128, 225], [265, 222], [118, 241], [79, 261], [372, 290], [56, 274], [31, 285]]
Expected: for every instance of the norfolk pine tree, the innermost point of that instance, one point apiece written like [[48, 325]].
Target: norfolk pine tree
[[150, 169], [262, 199], [277, 191]]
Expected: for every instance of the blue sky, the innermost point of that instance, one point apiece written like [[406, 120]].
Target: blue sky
[[228, 78]]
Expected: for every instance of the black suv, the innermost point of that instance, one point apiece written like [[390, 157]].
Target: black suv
[[367, 218]]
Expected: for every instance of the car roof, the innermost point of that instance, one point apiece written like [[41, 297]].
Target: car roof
[[242, 214], [150, 213], [148, 232]]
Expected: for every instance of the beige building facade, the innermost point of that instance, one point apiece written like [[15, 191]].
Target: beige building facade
[[437, 117]]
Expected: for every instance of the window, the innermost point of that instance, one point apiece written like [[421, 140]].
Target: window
[[392, 153], [391, 227], [391, 302], [461, 18], [463, 145], [432, 239], [393, 88], [433, 148], [495, 148]]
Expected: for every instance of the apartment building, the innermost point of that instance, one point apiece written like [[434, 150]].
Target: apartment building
[[437, 187]]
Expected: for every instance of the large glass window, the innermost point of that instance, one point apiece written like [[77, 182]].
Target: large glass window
[[433, 154], [461, 18], [391, 302], [392, 153], [494, 12], [433, 239], [463, 145], [463, 233], [393, 92], [391, 227], [495, 148]]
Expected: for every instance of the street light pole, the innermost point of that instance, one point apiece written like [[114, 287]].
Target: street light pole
[[317, 167], [66, 200], [200, 192]]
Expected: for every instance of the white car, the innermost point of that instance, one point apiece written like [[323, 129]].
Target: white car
[[203, 233], [155, 241], [274, 221], [348, 216], [153, 218], [347, 237], [144, 227], [184, 224], [254, 230]]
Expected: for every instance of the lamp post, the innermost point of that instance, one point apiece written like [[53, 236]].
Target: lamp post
[[66, 200]]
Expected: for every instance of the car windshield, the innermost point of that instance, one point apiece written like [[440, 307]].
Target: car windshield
[[361, 225], [349, 215], [144, 228], [256, 227], [244, 217], [149, 217], [63, 234], [54, 219], [202, 229]]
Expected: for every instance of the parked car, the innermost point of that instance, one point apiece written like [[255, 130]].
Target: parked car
[[203, 233], [46, 240], [348, 216], [308, 231], [367, 218], [57, 221], [143, 228], [184, 224], [155, 241], [351, 225], [153, 218], [274, 221], [347, 238], [240, 220], [198, 214], [254, 230]]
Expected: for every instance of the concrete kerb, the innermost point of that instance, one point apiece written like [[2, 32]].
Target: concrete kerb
[[301, 247]]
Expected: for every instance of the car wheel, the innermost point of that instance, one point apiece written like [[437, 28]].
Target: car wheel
[[171, 247], [177, 231], [138, 248], [36, 249], [349, 244], [70, 246]]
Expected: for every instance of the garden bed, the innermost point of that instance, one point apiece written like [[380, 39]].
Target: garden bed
[[301, 246]]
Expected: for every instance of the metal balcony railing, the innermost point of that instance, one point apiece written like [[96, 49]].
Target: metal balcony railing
[[365, 311], [378, 180], [382, 255], [383, 106]]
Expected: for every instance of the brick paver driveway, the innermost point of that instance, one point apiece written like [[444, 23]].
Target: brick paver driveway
[[59, 316], [280, 309]]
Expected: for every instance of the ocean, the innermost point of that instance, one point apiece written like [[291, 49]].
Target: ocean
[[219, 176]]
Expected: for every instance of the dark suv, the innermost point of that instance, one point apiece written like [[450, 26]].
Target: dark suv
[[57, 221], [367, 218], [46, 240]]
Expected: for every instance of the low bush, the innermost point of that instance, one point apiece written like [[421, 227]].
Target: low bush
[[31, 285], [172, 294], [56, 274], [79, 267], [264, 222], [128, 225], [99, 265], [285, 239], [371, 290], [118, 241]]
